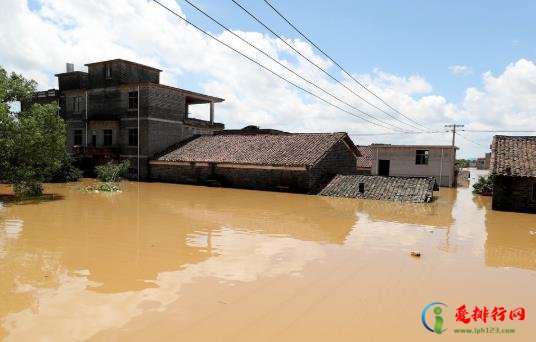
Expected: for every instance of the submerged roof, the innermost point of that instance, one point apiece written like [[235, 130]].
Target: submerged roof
[[404, 189], [365, 160], [299, 149], [513, 156]]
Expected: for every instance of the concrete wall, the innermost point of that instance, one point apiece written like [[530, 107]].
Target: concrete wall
[[402, 162], [514, 194]]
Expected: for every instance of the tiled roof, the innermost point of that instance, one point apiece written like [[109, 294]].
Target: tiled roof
[[513, 156], [365, 160], [301, 149], [404, 189]]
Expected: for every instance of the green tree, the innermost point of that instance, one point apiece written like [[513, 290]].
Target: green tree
[[32, 141]]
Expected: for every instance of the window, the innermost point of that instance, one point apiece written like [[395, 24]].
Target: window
[[108, 71], [77, 137], [422, 157], [107, 137], [133, 137], [77, 104], [132, 100]]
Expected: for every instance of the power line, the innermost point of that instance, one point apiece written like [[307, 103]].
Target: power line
[[497, 131], [394, 133], [266, 68], [320, 68], [470, 140], [284, 66], [337, 64]]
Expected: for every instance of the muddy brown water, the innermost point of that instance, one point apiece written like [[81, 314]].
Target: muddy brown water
[[175, 262]]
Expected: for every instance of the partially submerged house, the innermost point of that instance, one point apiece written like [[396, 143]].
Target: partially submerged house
[[298, 162], [415, 161], [399, 189], [483, 163], [513, 167], [119, 110]]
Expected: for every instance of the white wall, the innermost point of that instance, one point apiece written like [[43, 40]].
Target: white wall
[[402, 162]]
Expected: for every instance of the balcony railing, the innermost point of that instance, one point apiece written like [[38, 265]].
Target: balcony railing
[[100, 151]]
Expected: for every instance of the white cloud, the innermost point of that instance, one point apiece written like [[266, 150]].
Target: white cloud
[[463, 70], [38, 43]]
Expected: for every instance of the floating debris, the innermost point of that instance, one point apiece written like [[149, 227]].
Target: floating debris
[[415, 253]]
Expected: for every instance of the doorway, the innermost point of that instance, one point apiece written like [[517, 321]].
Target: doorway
[[383, 167]]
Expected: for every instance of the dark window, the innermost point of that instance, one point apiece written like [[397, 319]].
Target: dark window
[[77, 104], [133, 100], [108, 71], [107, 137], [422, 157], [77, 137], [534, 191], [133, 137]]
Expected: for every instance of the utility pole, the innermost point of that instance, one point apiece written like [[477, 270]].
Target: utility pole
[[452, 128]]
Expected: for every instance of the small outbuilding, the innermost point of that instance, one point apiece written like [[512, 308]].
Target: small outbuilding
[[296, 162], [513, 167]]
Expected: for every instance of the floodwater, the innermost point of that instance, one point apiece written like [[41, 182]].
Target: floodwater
[[174, 262]]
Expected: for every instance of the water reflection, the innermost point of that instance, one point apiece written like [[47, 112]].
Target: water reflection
[[13, 227], [93, 262], [511, 239]]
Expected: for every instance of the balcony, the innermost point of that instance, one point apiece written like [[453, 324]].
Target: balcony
[[198, 123], [101, 152]]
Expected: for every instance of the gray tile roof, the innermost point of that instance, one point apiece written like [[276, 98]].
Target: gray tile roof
[[404, 189], [513, 156], [300, 149]]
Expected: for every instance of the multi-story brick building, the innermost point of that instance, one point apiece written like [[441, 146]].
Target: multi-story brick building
[[119, 110]]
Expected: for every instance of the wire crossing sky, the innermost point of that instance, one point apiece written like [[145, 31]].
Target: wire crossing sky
[[435, 62]]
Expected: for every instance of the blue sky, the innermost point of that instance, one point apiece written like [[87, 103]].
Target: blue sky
[[400, 37]]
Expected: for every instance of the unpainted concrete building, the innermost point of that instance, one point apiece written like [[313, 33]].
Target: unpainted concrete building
[[119, 110], [483, 163], [415, 161]]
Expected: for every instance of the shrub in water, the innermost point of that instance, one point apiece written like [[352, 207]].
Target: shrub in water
[[112, 172], [484, 186], [67, 172]]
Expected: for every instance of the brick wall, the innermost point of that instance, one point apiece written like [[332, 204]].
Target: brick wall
[[261, 179], [513, 194], [339, 160], [166, 104], [122, 73]]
